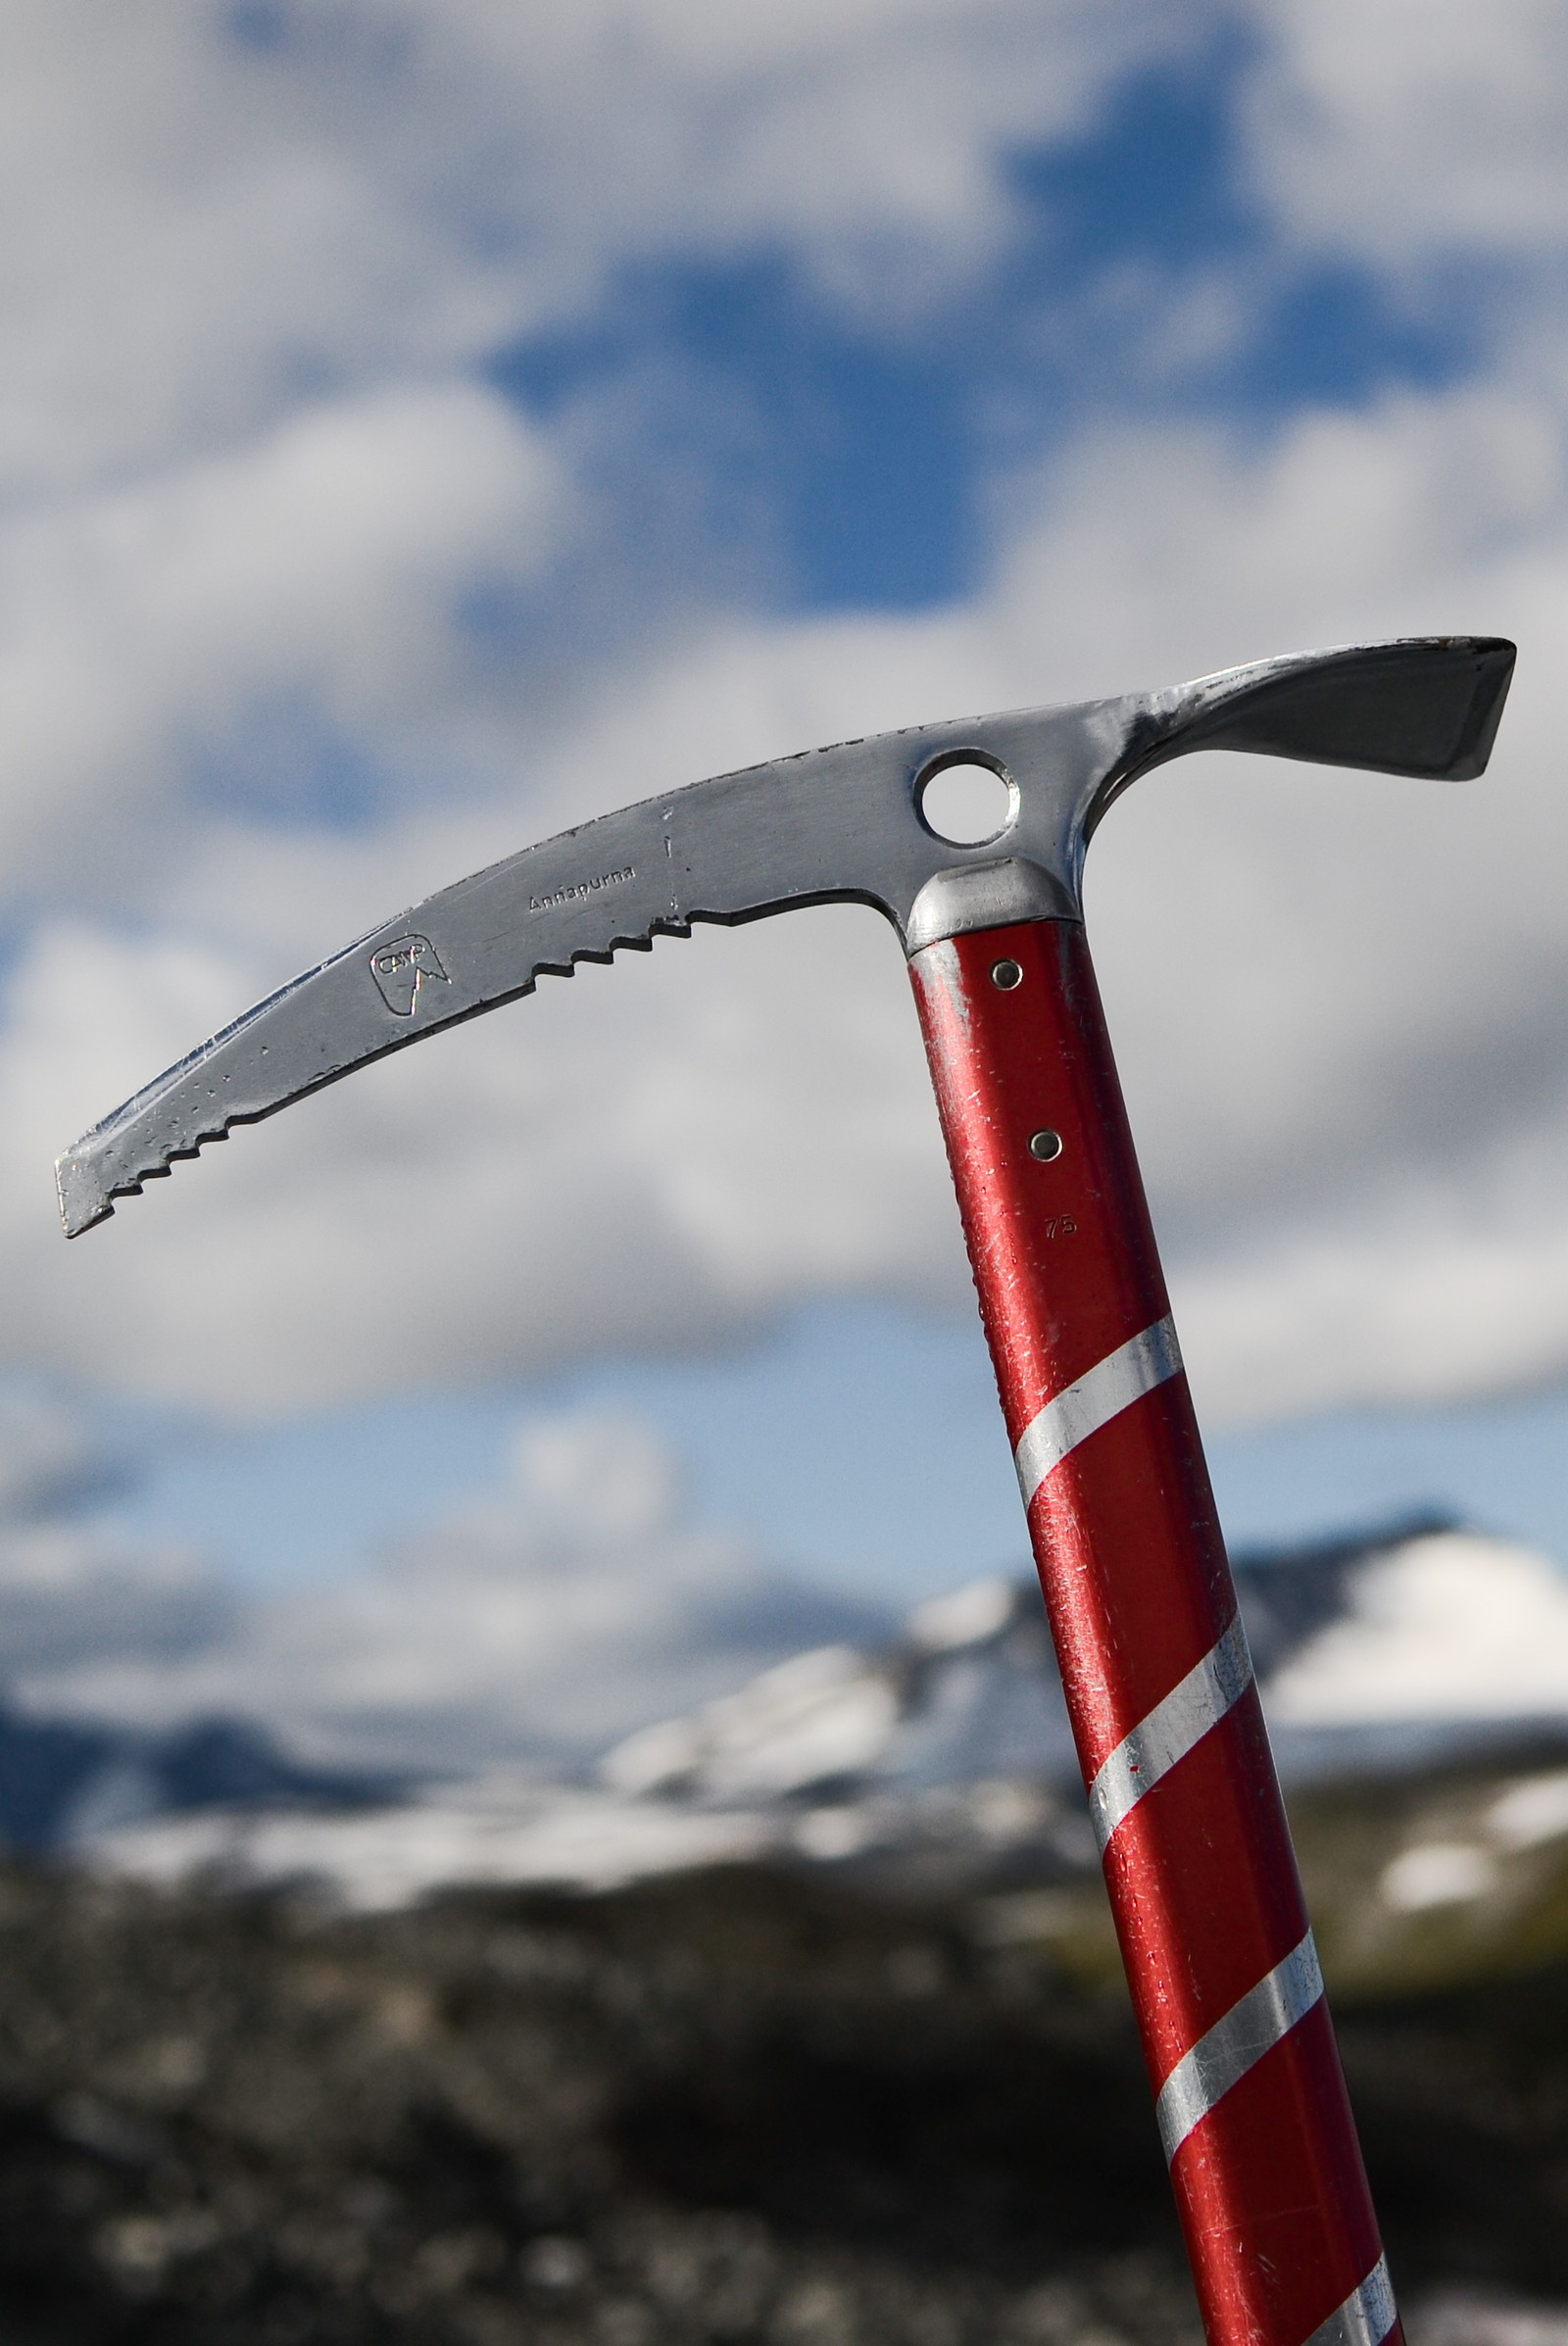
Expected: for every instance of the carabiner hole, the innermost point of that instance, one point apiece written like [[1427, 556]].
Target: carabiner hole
[[966, 805]]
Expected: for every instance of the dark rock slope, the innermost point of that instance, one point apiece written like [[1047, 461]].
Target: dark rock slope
[[732, 2108]]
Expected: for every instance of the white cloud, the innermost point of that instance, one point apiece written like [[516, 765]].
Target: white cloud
[[1412, 130], [69, 1594], [52, 1459], [576, 1604], [70, 1589], [189, 246], [649, 1156], [248, 478], [201, 225], [1339, 999], [151, 628]]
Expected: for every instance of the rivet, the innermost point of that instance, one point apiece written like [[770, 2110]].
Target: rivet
[[1007, 975], [1045, 1145]]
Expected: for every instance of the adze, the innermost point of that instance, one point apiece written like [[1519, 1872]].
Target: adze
[[1250, 2100]]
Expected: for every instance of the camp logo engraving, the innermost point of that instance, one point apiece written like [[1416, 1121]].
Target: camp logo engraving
[[401, 967]]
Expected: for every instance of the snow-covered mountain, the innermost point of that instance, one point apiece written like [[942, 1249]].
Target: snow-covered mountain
[[970, 1691], [944, 1755], [1379, 1652]]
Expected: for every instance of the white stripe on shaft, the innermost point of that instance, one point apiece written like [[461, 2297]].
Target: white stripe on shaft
[[1196, 1703], [1222, 2057], [1069, 1417], [1366, 2316]]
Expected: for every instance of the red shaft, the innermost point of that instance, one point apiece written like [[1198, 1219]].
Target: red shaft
[[1251, 2100]]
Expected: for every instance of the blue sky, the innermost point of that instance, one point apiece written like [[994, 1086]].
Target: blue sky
[[426, 427], [848, 464], [856, 1474]]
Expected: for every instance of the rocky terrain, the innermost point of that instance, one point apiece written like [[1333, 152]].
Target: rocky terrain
[[800, 2025], [744, 2105]]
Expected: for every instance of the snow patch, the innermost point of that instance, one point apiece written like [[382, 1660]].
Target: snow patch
[[1451, 1625]]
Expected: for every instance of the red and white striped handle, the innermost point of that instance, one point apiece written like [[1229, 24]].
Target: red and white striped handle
[[1250, 2101]]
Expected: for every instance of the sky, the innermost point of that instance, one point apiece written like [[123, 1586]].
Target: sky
[[423, 427]]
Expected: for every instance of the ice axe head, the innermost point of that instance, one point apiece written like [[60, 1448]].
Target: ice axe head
[[840, 824]]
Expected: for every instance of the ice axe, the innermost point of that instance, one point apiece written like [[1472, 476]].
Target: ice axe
[[1250, 2100]]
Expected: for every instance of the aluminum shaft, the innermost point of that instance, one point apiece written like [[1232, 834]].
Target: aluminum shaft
[[1249, 2098]]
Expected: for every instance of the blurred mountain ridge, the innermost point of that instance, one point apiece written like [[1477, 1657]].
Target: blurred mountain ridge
[[1416, 1672], [65, 1780], [1401, 1648]]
